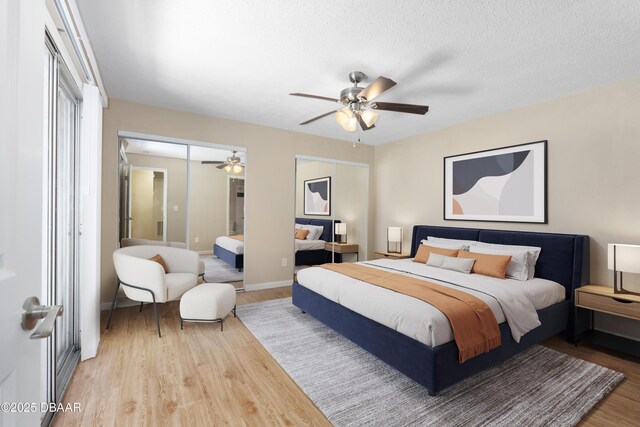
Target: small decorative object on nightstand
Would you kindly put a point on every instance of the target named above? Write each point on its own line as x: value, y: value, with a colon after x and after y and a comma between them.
x: 342, y: 248
x: 390, y: 255
x: 605, y: 300
x: 341, y: 232
x: 623, y: 258
x: 394, y: 235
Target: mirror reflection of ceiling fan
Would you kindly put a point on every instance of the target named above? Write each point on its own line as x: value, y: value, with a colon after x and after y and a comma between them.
x: 233, y: 164
x: 358, y: 103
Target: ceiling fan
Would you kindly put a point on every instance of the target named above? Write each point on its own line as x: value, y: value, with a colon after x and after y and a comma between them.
x: 233, y: 164
x: 358, y: 103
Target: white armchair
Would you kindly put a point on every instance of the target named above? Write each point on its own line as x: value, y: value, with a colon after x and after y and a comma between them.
x: 144, y: 280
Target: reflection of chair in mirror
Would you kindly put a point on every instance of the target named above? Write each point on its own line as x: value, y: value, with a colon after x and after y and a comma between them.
x: 144, y: 280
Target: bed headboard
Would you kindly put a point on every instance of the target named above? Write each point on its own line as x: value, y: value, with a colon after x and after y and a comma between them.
x: 326, y: 223
x: 564, y: 257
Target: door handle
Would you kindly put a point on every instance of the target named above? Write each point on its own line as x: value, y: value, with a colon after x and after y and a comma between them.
x: 34, y: 311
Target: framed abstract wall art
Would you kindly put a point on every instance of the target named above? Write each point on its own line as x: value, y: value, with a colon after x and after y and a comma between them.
x: 317, y: 196
x: 506, y: 184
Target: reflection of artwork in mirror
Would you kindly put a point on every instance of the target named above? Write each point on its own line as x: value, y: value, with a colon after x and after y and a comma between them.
x: 317, y: 196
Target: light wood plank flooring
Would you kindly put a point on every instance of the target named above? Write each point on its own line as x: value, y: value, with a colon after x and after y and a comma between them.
x: 202, y: 377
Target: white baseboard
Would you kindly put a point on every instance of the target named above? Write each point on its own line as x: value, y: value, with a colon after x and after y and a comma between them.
x: 268, y: 285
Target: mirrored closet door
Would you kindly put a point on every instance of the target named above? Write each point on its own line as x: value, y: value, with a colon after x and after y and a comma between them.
x: 216, y: 212
x: 331, y: 212
x: 185, y: 195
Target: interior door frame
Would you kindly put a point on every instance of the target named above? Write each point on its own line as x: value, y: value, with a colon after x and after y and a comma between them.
x: 244, y: 207
x: 164, y: 196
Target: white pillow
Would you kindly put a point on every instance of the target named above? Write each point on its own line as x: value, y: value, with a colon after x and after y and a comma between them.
x: 534, y: 253
x: 518, y: 267
x: 315, y: 231
x: 462, y: 265
x: 446, y: 245
x: 460, y: 244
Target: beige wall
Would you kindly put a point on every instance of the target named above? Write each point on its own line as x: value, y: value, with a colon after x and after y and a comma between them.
x: 142, y: 187
x: 593, y: 172
x: 176, y: 191
x: 270, y: 181
x: 208, y: 199
x: 349, y: 195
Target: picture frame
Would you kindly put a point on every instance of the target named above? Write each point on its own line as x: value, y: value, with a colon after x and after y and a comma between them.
x: 317, y: 196
x: 507, y: 184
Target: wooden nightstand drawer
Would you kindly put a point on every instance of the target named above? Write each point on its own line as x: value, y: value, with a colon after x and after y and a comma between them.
x: 390, y: 255
x: 608, y: 304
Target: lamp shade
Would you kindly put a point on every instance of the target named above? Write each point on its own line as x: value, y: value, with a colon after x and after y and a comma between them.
x: 341, y: 228
x: 394, y: 234
x: 347, y: 119
x: 369, y: 117
x: 625, y: 258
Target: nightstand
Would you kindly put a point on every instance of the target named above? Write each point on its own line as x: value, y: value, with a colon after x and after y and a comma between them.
x: 342, y: 248
x: 602, y: 299
x: 390, y: 255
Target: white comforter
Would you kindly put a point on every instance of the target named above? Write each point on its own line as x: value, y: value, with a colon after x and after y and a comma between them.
x: 237, y: 247
x: 308, y: 245
x: 230, y: 244
x: 510, y: 300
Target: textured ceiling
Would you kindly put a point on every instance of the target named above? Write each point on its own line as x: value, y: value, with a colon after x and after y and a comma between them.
x: 239, y: 59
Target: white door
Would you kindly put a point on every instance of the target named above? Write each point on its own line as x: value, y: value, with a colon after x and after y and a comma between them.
x: 21, y: 205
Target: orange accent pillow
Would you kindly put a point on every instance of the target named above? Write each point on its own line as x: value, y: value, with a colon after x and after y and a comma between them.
x: 488, y: 265
x: 425, y: 250
x: 301, y: 234
x: 157, y: 258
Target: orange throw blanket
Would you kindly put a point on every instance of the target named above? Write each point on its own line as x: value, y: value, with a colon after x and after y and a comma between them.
x: 474, y: 326
x: 239, y: 237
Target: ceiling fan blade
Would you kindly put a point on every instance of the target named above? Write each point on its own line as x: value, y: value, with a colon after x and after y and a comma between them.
x: 378, y: 86
x: 401, y: 108
x: 211, y: 162
x: 319, y: 117
x: 363, y: 125
x: 306, y: 95
x: 221, y: 166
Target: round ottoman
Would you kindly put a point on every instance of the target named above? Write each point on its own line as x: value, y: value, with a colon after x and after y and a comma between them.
x: 208, y: 302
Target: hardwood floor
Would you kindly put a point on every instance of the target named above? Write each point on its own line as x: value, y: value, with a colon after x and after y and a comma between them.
x: 202, y: 377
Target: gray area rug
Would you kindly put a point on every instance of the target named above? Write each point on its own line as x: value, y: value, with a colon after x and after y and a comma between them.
x: 351, y: 387
x: 218, y: 271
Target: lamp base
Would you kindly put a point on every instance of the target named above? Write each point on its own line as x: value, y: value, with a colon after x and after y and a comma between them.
x: 342, y: 239
x: 617, y: 286
x: 397, y: 249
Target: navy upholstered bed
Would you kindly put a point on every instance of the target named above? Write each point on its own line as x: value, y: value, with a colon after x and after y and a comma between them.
x: 316, y: 256
x: 564, y: 259
x: 233, y: 259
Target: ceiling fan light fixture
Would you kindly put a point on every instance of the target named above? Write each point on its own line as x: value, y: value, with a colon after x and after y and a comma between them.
x: 236, y: 168
x: 343, y: 116
x: 227, y: 168
x: 369, y: 117
x: 347, y: 119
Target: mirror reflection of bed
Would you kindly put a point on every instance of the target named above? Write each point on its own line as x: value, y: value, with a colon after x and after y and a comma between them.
x: 331, y: 219
x: 184, y: 195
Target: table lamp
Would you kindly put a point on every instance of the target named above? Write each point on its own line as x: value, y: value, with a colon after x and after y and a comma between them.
x: 341, y: 232
x: 623, y: 258
x: 394, y: 235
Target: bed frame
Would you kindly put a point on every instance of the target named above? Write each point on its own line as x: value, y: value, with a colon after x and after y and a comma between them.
x: 316, y: 256
x: 312, y: 257
x: 564, y: 259
x: 233, y: 259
